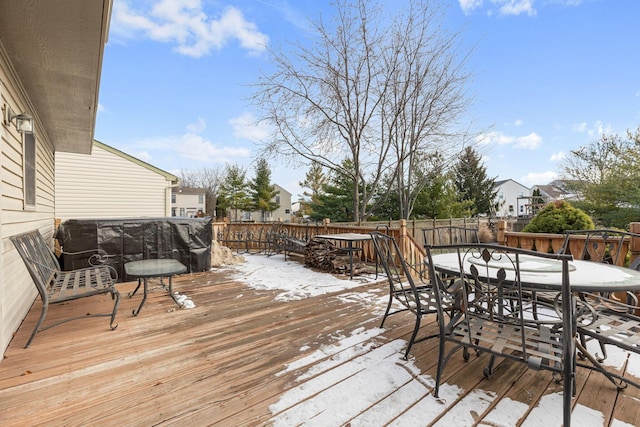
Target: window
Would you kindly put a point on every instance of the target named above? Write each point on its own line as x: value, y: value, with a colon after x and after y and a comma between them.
x: 182, y: 212
x: 278, y: 199
x: 510, y: 208
x: 29, y: 170
x: 500, y: 196
x: 287, y: 211
x: 201, y: 198
x: 173, y: 198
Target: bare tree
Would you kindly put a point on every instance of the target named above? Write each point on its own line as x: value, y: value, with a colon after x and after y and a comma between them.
x: 379, y: 92
x: 209, y: 179
x: 425, y: 100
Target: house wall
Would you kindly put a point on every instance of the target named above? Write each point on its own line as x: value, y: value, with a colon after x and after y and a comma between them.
x: 106, y: 185
x: 190, y: 203
x: 282, y: 214
x: 17, y: 291
x: 510, y: 190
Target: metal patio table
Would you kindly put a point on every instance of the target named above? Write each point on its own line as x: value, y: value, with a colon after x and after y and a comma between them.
x: 147, y: 268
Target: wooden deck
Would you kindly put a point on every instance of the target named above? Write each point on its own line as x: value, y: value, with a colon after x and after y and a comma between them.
x: 241, y: 357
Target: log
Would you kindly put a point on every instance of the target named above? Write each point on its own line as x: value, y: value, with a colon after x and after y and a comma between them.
x: 325, y: 256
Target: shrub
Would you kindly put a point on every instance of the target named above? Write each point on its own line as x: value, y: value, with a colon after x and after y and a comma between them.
x: 558, y: 217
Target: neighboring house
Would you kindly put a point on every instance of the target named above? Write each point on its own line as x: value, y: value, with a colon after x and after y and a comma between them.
x: 110, y: 184
x: 511, y: 198
x: 555, y: 190
x: 188, y: 202
x: 282, y: 214
x: 50, y: 64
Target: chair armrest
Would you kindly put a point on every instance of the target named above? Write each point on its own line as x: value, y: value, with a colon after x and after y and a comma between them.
x: 98, y: 257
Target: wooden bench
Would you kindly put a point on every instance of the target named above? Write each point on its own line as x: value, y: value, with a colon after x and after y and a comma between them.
x: 56, y: 286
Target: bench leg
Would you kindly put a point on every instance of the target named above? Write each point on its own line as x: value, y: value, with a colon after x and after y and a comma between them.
x: 45, y: 307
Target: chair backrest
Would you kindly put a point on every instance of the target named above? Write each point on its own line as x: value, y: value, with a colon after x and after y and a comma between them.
x: 449, y: 235
x: 498, y: 290
x: 601, y: 245
x: 399, y: 274
x: 38, y: 258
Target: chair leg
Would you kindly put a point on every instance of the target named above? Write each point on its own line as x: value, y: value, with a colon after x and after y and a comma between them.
x: 441, y: 363
x: 413, y: 336
x: 386, y: 313
x: 43, y: 314
x: 115, y: 295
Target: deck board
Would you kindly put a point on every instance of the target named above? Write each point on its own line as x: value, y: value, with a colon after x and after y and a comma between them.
x: 236, y: 357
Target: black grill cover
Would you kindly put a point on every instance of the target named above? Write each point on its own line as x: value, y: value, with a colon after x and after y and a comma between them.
x: 187, y: 240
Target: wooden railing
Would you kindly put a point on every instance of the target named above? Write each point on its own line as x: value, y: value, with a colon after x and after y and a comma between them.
x: 251, y: 237
x: 551, y: 243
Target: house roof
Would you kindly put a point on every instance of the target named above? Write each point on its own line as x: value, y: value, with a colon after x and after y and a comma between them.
x: 187, y: 190
x: 501, y: 182
x: 56, y: 50
x: 167, y: 175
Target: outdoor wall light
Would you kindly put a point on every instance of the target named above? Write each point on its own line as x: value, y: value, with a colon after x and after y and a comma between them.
x: 23, y: 122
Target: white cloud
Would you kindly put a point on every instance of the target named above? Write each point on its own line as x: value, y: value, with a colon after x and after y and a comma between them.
x: 246, y: 126
x: 558, y: 157
x: 198, y: 126
x: 195, y: 147
x: 185, y: 24
x: 528, y: 142
x: 515, y: 7
x: 494, y: 138
x: 517, y: 123
x: 579, y: 127
x: 511, y: 7
x: 469, y: 6
x: 538, y: 178
x: 143, y: 155
x: 595, y: 130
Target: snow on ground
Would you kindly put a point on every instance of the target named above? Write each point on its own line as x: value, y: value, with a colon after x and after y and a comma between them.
x: 364, y: 382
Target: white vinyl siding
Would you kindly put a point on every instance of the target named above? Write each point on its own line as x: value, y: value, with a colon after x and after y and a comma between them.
x: 508, y: 193
x: 188, y: 205
x: 106, y: 185
x: 17, y: 291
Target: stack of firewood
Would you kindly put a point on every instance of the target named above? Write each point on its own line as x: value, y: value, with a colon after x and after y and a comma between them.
x: 324, y: 255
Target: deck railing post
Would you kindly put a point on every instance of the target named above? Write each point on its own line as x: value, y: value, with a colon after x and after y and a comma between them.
x: 634, y: 245
x: 502, y: 228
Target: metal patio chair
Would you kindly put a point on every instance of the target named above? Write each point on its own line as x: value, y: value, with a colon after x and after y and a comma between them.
x: 496, y: 318
x: 418, y: 298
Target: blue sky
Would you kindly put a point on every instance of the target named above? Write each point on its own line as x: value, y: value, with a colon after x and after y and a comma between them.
x: 548, y: 77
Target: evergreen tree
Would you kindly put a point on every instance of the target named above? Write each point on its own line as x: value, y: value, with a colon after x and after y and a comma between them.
x: 439, y: 199
x: 336, y: 200
x: 234, y: 191
x: 473, y: 184
x: 262, y: 192
x: 315, y: 180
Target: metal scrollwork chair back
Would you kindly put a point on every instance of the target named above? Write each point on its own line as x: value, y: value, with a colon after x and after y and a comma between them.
x: 496, y: 316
